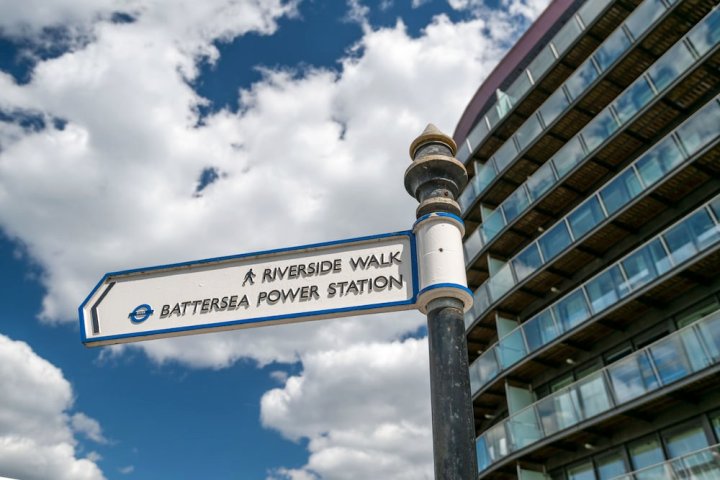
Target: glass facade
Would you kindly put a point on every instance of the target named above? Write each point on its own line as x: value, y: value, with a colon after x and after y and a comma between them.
x: 661, y: 364
x: 628, y: 186
x: 583, y: 334
x: 606, y: 55
x: 647, y: 264
x: 579, y: 149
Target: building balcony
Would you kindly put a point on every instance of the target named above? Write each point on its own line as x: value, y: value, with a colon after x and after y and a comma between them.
x: 679, y: 81
x: 700, y: 465
x: 686, y: 253
x: 611, y: 213
x: 570, y: 46
x: 611, y: 67
x: 679, y: 359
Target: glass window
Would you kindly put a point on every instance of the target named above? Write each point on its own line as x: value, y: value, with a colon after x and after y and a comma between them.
x: 632, y: 377
x: 492, y: 225
x: 707, y: 34
x: 645, y: 452
x: 697, y: 311
x: 584, y: 218
x: 659, y: 160
x: 541, y: 329
x: 710, y: 330
x: 463, y: 152
x: 524, y: 428
x: 483, y: 456
x: 472, y: 245
x: 583, y: 471
x: 686, y: 439
x: 612, y: 48
x: 528, y: 131
x: 486, y: 366
x: 478, y: 133
x: 493, y: 115
x: 670, y: 359
x: 715, y: 207
x: 633, y: 99
x: 554, y: 241
x: 497, y: 442
x: 501, y: 282
x: 515, y: 204
x: 505, y: 154
x: 621, y: 351
x: 558, y: 411
x: 620, y: 191
x: 511, y: 348
x: 591, y: 10
x: 670, y: 66
x: 599, y: 129
x: 521, y: 85
x: 581, y: 79
x: 541, y: 63
x: 690, y: 236
x: 567, y: 34
x: 571, y: 310
x: 561, y: 382
x: 715, y: 419
x: 481, y: 301
x: 568, y: 156
x: 643, y: 16
x: 701, y: 129
x: 541, y: 181
x: 646, y: 264
x: 553, y: 106
x: 527, y: 261
x: 606, y: 289
x: 593, y: 395
x: 610, y: 465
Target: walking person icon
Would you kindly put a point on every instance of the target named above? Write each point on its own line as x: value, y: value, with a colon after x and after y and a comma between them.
x: 249, y: 277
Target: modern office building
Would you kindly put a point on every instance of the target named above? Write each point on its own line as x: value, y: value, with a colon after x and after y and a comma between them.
x: 593, y: 245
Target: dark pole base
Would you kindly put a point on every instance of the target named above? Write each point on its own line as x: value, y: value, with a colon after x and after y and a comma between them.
x: 452, y: 412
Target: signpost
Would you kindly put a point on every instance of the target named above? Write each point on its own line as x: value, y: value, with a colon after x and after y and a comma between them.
x: 422, y: 269
x: 348, y: 277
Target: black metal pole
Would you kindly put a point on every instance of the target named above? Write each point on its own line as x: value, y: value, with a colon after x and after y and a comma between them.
x: 435, y: 179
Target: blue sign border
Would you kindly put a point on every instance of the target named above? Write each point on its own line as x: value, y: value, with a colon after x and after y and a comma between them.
x: 259, y: 320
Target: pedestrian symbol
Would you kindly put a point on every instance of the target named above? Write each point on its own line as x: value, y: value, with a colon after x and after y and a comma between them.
x: 249, y: 277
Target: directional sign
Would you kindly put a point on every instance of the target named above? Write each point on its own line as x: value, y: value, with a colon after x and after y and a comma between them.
x: 347, y: 277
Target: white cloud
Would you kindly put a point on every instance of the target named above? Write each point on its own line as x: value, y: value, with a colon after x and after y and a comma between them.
x: 88, y: 426
x: 36, y: 441
x: 127, y: 470
x: 365, y: 409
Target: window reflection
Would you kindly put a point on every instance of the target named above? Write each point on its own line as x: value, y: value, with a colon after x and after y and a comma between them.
x: 659, y: 160
x: 670, y: 66
x: 707, y: 35
x: 614, y: 46
x: 606, y: 289
x: 554, y: 241
x: 553, y: 106
x: 580, y: 79
x: 585, y: 217
x: 701, y: 129
x: 541, y: 181
x: 527, y: 261
x: 633, y: 99
x: 571, y: 310
x: 646, y: 264
x: 541, y: 329
x: 620, y: 191
x: 599, y: 129
x: 568, y: 156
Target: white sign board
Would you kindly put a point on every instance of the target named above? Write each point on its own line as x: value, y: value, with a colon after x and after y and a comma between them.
x: 348, y: 277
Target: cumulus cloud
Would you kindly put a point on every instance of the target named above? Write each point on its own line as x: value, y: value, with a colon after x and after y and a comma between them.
x: 36, y: 438
x: 365, y: 410
x: 88, y: 426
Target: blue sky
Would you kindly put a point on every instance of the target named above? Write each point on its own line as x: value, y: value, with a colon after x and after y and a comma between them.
x: 141, y: 132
